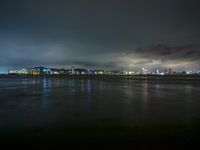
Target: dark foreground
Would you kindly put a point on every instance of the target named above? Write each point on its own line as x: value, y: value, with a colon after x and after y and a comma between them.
x: 99, y: 112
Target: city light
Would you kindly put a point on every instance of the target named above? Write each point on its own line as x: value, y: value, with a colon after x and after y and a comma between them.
x: 81, y: 71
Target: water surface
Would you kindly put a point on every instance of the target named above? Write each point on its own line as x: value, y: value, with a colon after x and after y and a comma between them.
x: 99, y: 109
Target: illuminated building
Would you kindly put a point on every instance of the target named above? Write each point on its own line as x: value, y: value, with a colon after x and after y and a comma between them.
x: 19, y: 71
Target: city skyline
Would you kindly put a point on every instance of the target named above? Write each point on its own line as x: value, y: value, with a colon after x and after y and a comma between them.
x: 126, y: 35
x: 41, y: 70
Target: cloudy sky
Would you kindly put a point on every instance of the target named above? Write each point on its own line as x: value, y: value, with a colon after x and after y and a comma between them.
x: 110, y: 34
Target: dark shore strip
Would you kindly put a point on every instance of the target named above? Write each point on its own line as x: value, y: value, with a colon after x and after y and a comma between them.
x: 131, y: 77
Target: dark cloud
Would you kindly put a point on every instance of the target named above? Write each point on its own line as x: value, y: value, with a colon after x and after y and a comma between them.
x: 104, y: 34
x: 178, y: 57
x: 165, y: 52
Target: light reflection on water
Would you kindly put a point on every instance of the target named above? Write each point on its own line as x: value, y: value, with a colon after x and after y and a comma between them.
x: 46, y: 90
x: 77, y: 101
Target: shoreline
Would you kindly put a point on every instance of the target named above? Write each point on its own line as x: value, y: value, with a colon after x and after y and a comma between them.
x: 195, y: 77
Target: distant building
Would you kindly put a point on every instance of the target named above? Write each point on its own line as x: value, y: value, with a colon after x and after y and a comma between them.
x: 38, y: 71
x: 157, y: 72
x: 170, y: 70
x: 18, y: 71
x: 80, y: 71
x: 41, y: 71
x: 98, y: 72
x: 145, y: 71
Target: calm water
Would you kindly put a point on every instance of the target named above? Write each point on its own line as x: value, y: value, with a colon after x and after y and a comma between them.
x: 93, y: 110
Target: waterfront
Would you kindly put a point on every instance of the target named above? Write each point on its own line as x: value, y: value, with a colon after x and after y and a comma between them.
x: 99, y: 110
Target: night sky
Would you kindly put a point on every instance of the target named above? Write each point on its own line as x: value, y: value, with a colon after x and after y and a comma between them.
x: 110, y: 34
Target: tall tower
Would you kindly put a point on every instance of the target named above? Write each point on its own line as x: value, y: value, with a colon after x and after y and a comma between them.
x: 73, y: 70
x: 170, y: 70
